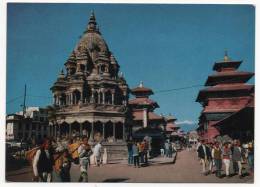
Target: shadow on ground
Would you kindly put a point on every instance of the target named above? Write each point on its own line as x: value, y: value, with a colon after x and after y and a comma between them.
x: 116, y: 180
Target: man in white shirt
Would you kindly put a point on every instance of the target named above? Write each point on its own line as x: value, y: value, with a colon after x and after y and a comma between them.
x: 97, y: 153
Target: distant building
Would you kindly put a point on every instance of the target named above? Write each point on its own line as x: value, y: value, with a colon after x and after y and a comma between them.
x: 145, y: 122
x: 225, y: 96
x: 34, y: 124
x: 171, y: 128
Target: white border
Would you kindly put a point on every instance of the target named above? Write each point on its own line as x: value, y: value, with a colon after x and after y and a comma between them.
x: 3, y: 18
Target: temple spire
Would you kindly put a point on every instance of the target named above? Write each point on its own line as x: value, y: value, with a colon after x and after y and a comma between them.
x: 92, y: 24
x: 141, y: 84
x: 226, y: 57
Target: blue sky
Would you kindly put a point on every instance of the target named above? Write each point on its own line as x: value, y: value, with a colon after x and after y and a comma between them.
x: 165, y: 46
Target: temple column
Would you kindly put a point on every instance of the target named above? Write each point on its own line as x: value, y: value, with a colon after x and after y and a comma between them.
x: 103, y: 130
x: 113, y: 98
x: 92, y: 131
x: 99, y: 98
x: 123, y: 131
x: 114, y: 131
x: 103, y: 95
x: 92, y: 96
x: 81, y: 97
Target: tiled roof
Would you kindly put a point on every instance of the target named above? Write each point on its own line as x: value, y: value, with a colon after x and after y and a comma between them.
x: 141, y: 89
x: 143, y: 101
x: 138, y: 115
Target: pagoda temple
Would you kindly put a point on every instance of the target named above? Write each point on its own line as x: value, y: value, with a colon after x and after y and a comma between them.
x: 171, y: 128
x: 226, y: 94
x: 91, y: 96
x: 145, y: 122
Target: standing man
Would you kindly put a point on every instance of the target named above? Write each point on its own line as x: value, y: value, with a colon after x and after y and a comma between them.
x: 166, y: 146
x: 251, y: 157
x: 130, y: 152
x: 84, y: 151
x: 136, y: 155
x: 216, y: 154
x: 226, y: 155
x: 205, y: 155
x: 43, y: 162
x: 237, y: 158
x: 146, y: 149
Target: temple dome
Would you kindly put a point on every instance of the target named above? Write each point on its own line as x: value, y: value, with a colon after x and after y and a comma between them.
x: 92, y: 42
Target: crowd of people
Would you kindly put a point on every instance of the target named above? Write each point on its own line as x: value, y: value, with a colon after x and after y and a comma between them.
x: 138, y: 153
x: 231, y: 154
x: 56, y: 157
x: 168, y: 149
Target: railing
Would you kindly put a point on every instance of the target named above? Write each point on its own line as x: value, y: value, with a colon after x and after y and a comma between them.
x: 91, y: 106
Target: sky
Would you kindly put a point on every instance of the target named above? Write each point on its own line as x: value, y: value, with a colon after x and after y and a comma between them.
x: 165, y: 46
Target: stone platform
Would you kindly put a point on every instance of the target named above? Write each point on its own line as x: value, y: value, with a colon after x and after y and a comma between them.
x: 116, y: 151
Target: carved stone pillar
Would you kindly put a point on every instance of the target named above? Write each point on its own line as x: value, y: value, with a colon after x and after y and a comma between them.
x: 92, y: 96
x: 114, y: 131
x: 103, y: 130
x: 123, y: 131
x: 92, y: 131
x: 103, y: 95
x: 81, y: 97
x: 113, y: 98
x: 99, y: 98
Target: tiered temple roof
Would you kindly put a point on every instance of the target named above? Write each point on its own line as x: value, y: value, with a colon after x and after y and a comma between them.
x: 141, y: 102
x: 227, y: 80
x: 226, y: 93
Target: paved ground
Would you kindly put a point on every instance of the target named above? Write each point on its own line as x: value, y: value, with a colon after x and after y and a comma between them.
x: 186, y: 169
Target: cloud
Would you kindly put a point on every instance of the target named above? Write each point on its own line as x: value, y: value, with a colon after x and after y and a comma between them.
x: 186, y: 122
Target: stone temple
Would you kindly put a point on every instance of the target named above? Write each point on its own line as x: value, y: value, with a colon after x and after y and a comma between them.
x: 91, y: 96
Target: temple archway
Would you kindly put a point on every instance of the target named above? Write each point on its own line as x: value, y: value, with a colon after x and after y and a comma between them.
x: 63, y: 99
x: 75, y: 129
x: 119, y: 130
x: 108, y: 130
x: 64, y: 129
x: 98, y: 130
x: 108, y: 97
x: 76, y: 96
x: 86, y: 128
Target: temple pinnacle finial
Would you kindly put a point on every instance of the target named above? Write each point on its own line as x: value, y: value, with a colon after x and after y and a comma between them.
x: 141, y: 84
x: 226, y: 58
x: 92, y: 15
x: 92, y: 22
x: 61, y: 75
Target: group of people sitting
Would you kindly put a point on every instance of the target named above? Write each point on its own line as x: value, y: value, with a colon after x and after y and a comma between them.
x: 213, y: 154
x: 58, y: 156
